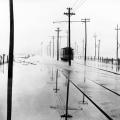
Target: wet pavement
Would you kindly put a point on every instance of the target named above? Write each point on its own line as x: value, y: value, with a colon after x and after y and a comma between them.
x: 40, y: 91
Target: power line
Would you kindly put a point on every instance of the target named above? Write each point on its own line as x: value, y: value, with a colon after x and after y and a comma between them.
x: 81, y: 3
x: 75, y: 3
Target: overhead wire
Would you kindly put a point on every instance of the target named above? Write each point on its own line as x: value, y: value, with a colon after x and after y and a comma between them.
x: 79, y: 5
x: 75, y: 3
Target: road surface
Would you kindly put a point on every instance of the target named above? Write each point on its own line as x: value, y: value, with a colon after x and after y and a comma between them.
x: 40, y: 91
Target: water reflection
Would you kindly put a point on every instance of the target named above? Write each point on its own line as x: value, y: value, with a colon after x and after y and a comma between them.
x: 117, y: 68
x: 67, y: 115
x: 84, y: 81
x: 52, y: 78
x: 51, y: 72
x: 56, y: 88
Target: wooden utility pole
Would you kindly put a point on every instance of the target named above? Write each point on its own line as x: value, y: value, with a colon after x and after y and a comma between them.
x: 50, y: 48
x: 117, y: 29
x: 58, y: 31
x: 69, y: 14
x: 3, y: 59
x: 98, y: 49
x: 95, y: 44
x: 10, y: 63
x: 53, y: 46
x: 85, y: 21
x: 53, y: 37
x: 83, y: 47
x: 41, y: 51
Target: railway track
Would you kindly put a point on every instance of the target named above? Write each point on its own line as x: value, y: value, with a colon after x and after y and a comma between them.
x: 98, y: 107
x: 101, y: 84
x: 105, y: 87
x: 89, y: 98
x: 100, y: 69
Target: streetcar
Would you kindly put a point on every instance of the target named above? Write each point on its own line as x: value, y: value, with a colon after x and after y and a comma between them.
x: 64, y: 54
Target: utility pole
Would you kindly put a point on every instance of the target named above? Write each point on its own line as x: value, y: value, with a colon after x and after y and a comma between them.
x: 83, y: 47
x: 41, y: 45
x: 69, y: 14
x: 47, y: 50
x: 117, y: 29
x: 85, y: 21
x: 76, y: 48
x: 67, y: 39
x: 3, y: 59
x: 98, y: 49
x: 10, y: 63
x: 50, y: 48
x: 53, y: 46
x: 53, y: 38
x: 58, y: 31
x: 95, y: 44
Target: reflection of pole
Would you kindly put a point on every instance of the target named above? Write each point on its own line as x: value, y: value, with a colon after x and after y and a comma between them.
x: 83, y: 101
x: 10, y: 64
x: 67, y: 99
x: 69, y: 14
x: 85, y: 21
x: 56, y: 89
x: 66, y: 115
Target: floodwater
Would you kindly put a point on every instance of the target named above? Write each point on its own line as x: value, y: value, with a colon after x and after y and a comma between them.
x: 40, y: 90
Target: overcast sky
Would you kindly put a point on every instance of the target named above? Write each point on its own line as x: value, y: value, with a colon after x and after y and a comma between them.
x: 34, y: 23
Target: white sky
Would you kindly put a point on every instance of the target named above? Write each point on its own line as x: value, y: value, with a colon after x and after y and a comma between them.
x: 33, y: 24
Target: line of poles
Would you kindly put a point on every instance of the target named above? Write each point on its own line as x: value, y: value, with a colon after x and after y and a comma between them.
x: 11, y: 51
x: 69, y: 14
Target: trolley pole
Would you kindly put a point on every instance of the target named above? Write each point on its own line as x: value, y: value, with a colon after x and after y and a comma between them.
x: 10, y: 63
x: 58, y: 31
x: 117, y: 29
x: 85, y: 21
x: 69, y: 14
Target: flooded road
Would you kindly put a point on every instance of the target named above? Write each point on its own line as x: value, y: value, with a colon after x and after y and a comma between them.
x: 43, y: 90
